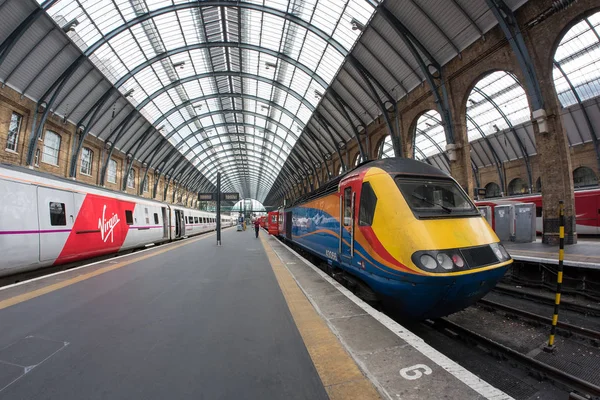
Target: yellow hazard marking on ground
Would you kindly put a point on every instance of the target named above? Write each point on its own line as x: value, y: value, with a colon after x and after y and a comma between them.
x: 56, y: 286
x: 339, y: 374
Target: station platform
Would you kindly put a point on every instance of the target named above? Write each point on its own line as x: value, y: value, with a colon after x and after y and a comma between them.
x: 584, y: 254
x: 249, y: 319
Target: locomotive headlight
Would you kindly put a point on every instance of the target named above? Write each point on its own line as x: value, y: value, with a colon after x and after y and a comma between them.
x: 428, y: 262
x: 500, y: 251
x: 458, y: 260
x: 445, y: 261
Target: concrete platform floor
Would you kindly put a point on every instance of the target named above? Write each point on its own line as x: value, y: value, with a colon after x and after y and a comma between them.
x: 189, y: 319
x: 585, y: 253
x: 196, y: 322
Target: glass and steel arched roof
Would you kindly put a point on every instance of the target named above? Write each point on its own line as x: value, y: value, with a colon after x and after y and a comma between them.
x: 231, y: 84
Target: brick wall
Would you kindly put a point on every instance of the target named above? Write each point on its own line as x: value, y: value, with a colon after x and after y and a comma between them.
x: 11, y: 101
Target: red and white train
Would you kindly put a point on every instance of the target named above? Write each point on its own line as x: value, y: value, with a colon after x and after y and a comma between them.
x: 46, y: 220
x: 587, y: 209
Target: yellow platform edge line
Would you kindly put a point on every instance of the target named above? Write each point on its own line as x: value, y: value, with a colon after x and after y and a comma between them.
x: 59, y: 285
x: 338, y: 372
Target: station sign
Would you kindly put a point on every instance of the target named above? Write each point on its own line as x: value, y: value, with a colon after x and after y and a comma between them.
x: 232, y: 196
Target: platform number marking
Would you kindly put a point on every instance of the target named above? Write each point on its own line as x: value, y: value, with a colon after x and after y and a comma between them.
x: 415, y: 372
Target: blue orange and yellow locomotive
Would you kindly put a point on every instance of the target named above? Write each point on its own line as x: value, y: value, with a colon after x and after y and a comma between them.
x: 405, y: 231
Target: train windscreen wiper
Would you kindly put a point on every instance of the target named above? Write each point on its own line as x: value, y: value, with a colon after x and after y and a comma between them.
x: 433, y: 203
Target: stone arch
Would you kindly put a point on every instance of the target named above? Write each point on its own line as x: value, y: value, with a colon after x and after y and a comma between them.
x: 584, y: 177
x: 492, y: 189
x: 517, y: 186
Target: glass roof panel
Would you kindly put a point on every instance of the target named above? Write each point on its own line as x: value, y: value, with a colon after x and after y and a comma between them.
x: 176, y: 89
x: 497, y: 102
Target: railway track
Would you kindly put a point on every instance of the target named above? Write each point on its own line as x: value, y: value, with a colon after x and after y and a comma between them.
x: 569, y: 305
x: 593, y: 335
x: 534, y: 366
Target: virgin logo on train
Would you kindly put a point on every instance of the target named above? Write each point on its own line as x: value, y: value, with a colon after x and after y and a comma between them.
x: 107, y: 226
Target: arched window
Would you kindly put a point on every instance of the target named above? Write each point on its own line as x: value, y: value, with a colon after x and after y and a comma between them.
x: 386, y: 149
x: 492, y: 190
x: 517, y: 186
x: 111, y: 173
x: 430, y: 138
x: 584, y: 176
x: 577, y: 63
x: 131, y: 179
x: 51, y: 148
x: 87, y: 158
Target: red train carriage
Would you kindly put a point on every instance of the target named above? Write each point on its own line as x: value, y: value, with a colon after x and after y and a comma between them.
x: 273, y: 223
x: 587, y: 209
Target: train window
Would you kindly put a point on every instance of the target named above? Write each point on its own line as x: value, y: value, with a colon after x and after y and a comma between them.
x: 368, y: 201
x: 435, y: 197
x: 57, y: 214
x: 347, y: 206
x: 147, y: 216
x: 155, y: 218
x: 195, y: 220
x: 538, y: 212
x: 129, y: 217
x: 186, y: 219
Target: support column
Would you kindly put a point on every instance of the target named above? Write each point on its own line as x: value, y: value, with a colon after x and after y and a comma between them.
x: 459, y: 155
x: 557, y: 177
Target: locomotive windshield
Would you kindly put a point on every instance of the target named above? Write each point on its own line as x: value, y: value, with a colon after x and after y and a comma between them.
x: 435, y: 197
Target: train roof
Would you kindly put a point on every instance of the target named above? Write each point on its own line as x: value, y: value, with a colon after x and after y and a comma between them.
x: 88, y: 187
x: 406, y: 166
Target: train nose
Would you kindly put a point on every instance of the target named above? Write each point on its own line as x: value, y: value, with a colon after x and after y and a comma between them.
x: 465, y: 291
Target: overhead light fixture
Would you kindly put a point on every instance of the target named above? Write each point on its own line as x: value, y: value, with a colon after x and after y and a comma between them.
x: 472, y: 102
x: 179, y: 64
x: 318, y: 94
x: 263, y: 107
x: 70, y: 26
x: 496, y: 128
x: 129, y: 92
x: 270, y: 65
x: 357, y: 25
x: 198, y: 106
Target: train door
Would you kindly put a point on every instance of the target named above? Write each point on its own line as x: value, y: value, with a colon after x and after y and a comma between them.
x: 56, y: 213
x: 165, y: 219
x: 179, y: 225
x: 346, y: 244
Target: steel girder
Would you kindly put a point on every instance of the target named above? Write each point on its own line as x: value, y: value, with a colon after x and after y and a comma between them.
x: 218, y: 3
x: 225, y: 124
x: 426, y: 61
x: 509, y: 25
x: 211, y: 45
x: 329, y: 131
x: 344, y: 111
x: 46, y: 102
x: 369, y: 80
x: 91, y: 117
